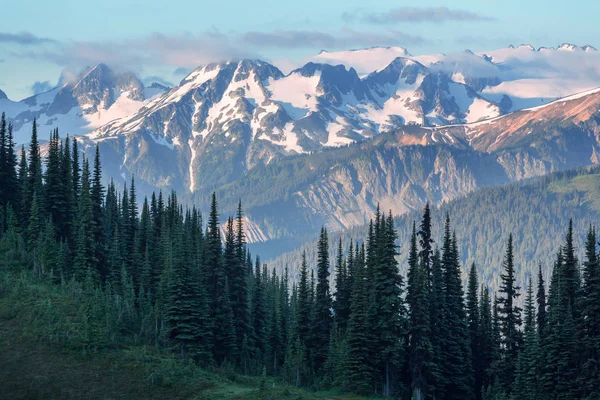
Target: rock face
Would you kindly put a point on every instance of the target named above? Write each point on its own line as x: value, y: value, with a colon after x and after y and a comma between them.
x: 95, y: 97
x: 325, y: 144
x: 404, y: 169
x: 225, y: 119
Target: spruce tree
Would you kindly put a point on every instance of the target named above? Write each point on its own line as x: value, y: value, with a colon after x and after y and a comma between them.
x: 541, y: 303
x: 322, y: 312
x: 85, y: 251
x: 526, y: 382
x: 473, y: 324
x: 426, y: 243
x: 510, y: 318
x: 590, y: 376
x: 417, y: 299
x: 341, y: 304
x: 359, y: 359
x: 456, y: 350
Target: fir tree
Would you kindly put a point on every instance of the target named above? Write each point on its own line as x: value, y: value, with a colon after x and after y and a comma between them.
x: 473, y: 325
x: 590, y: 377
x: 541, y: 303
x: 510, y: 318
x: 421, y: 350
x: 322, y: 313
x: 456, y: 352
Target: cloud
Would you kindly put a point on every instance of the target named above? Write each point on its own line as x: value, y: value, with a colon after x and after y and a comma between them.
x: 41, y: 87
x: 157, y: 49
x: 24, y: 38
x: 317, y: 39
x: 436, y: 15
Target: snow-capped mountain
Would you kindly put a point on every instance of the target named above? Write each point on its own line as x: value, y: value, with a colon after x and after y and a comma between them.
x: 95, y: 97
x: 429, y: 127
x: 401, y: 170
x: 251, y: 113
x: 515, y: 77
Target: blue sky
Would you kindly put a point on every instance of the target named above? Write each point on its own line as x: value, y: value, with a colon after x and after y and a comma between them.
x: 168, y: 37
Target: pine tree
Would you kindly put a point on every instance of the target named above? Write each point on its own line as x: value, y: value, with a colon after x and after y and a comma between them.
x: 11, y: 180
x: 85, y: 260
x: 590, y: 376
x: 259, y: 316
x: 97, y: 198
x: 3, y: 167
x: 426, y: 243
x: 359, y: 359
x: 486, y: 342
x: 322, y: 313
x: 35, y: 169
x: 541, y: 303
x: 53, y: 183
x: 341, y: 305
x: 188, y: 306
x: 526, y: 383
x: 473, y: 324
x: 438, y: 326
x: 76, y: 169
x: 510, y: 318
x: 456, y: 349
x: 417, y: 298
x: 24, y: 205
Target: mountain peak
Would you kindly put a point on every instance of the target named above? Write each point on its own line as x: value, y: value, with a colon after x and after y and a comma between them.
x: 588, y: 48
x: 568, y: 47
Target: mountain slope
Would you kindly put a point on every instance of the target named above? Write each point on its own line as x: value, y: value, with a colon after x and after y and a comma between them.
x: 404, y: 169
x: 95, y: 97
x: 536, y: 212
x: 249, y: 114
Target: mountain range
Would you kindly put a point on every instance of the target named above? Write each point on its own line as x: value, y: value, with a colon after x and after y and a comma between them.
x: 328, y: 141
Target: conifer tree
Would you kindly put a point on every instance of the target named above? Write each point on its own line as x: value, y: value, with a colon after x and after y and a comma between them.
x: 456, y: 349
x: 526, y: 383
x: 590, y: 377
x: 35, y: 169
x: 259, y: 316
x: 473, y: 325
x: 421, y: 349
x: 510, y: 318
x: 76, y: 169
x: 541, y: 303
x: 438, y: 326
x: 341, y: 304
x: 24, y: 205
x: 322, y: 312
x: 85, y: 261
x: 426, y: 243
x: 359, y: 359
x: 486, y: 342
x: 97, y: 198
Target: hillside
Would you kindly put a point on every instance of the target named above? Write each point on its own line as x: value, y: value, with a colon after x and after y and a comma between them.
x: 43, y: 357
x: 536, y: 211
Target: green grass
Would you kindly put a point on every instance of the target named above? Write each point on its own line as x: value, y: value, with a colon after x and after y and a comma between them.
x: 587, y: 185
x: 40, y: 359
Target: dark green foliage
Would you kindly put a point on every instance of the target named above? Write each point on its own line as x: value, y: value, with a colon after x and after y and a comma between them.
x: 510, y: 319
x: 322, y: 309
x: 473, y: 317
x: 417, y: 299
x: 456, y: 350
x: 590, y: 379
x: 158, y: 278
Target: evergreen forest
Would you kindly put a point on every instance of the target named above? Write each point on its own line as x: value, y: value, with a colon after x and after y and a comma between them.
x: 156, y: 273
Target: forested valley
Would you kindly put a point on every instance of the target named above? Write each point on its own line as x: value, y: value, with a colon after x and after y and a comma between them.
x: 165, y: 278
